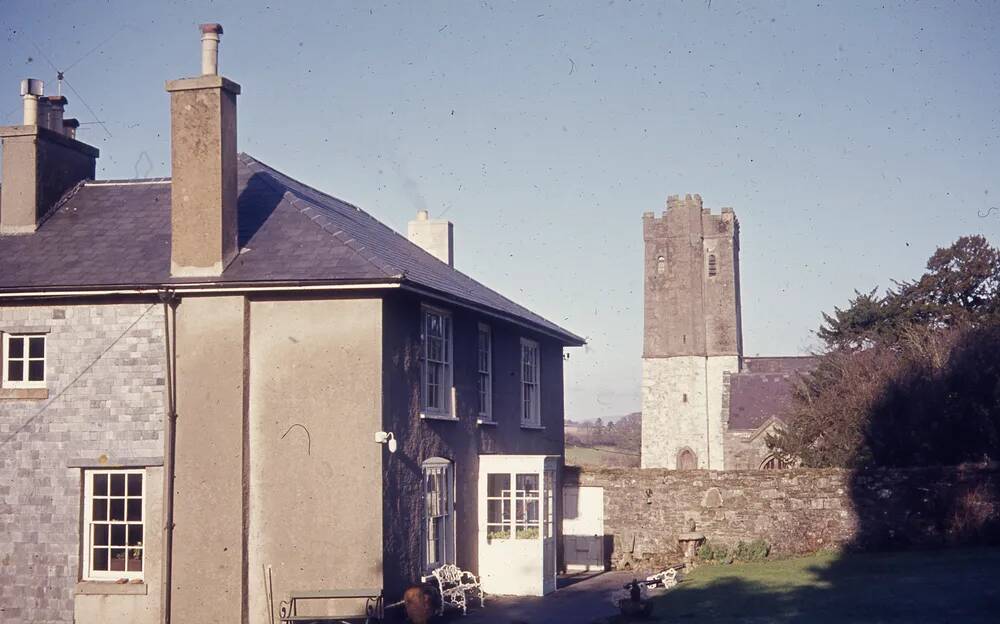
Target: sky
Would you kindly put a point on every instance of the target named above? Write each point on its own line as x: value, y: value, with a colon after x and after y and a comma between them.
x: 852, y: 139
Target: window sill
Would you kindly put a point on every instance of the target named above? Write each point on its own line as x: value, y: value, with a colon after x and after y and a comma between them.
x: 110, y: 588
x: 532, y: 427
x: 35, y: 394
x: 489, y: 422
x: 427, y: 416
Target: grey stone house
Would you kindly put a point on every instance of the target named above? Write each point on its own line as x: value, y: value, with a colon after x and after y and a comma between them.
x: 227, y: 372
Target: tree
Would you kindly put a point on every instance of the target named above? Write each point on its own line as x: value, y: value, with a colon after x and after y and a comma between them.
x: 911, y: 378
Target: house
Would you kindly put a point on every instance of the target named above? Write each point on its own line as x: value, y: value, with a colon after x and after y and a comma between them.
x: 227, y: 379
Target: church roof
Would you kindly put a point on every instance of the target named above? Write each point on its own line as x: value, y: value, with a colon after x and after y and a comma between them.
x: 763, y: 389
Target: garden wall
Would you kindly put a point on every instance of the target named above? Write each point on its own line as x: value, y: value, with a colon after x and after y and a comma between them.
x: 795, y: 511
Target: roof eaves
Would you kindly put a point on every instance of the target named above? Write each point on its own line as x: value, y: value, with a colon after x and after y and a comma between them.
x: 553, y: 331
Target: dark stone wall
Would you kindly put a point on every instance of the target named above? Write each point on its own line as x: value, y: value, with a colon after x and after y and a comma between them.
x: 796, y: 511
x: 460, y: 441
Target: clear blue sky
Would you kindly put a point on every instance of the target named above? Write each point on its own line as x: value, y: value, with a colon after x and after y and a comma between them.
x: 851, y: 138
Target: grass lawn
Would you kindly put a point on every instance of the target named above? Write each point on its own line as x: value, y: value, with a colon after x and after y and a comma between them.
x: 931, y: 586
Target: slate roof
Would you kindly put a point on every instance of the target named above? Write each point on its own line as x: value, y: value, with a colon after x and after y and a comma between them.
x: 763, y: 389
x: 116, y: 234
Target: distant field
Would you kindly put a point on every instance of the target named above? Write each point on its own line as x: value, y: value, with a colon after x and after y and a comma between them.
x: 599, y: 456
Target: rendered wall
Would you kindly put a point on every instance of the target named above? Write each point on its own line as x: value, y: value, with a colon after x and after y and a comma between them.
x: 208, y: 559
x: 460, y: 441
x: 671, y: 424
x: 104, y: 407
x: 315, y: 491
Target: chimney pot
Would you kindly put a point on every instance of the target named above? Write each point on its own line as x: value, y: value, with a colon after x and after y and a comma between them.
x: 50, y: 112
x: 69, y: 127
x: 210, y: 35
x: 31, y: 90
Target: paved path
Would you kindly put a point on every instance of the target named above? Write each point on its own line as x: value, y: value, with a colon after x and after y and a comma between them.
x: 581, y: 600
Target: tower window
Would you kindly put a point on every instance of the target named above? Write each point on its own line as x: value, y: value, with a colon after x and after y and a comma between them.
x: 712, y: 265
x: 661, y: 265
x: 685, y: 398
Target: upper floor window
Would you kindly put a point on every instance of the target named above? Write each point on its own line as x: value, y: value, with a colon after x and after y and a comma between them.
x: 530, y: 403
x: 485, y: 373
x: 713, y: 267
x: 113, y: 524
x: 661, y: 264
x: 436, y: 369
x: 24, y: 360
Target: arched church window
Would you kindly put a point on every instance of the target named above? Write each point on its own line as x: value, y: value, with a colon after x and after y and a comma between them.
x: 687, y: 460
x: 772, y: 462
x: 713, y: 267
x: 661, y: 265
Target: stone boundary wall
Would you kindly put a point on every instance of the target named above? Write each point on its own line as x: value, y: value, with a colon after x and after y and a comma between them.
x: 795, y: 511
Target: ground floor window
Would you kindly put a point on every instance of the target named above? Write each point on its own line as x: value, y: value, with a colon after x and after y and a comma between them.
x: 439, y: 512
x: 773, y: 462
x: 687, y: 460
x: 113, y: 527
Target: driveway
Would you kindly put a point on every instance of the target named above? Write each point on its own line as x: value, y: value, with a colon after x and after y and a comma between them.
x: 581, y: 599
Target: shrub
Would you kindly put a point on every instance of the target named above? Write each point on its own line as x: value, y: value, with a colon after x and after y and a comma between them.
x: 757, y: 550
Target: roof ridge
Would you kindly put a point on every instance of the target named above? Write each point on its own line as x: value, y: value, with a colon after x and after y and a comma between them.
x: 294, y: 200
x: 251, y: 161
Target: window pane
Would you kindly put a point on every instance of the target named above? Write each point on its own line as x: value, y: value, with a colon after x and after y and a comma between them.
x: 36, y: 347
x: 117, y: 534
x: 118, y: 559
x: 36, y: 370
x: 135, y: 559
x: 528, y: 483
x: 498, y: 484
x: 118, y: 509
x: 15, y: 370
x: 100, y: 535
x: 135, y: 485
x: 99, y: 561
x: 100, y: 485
x: 99, y: 509
x: 135, y: 535
x: 134, y: 510
x: 118, y: 485
x: 15, y: 348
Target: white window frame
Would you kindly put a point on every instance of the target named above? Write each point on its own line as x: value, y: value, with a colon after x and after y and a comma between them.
x: 89, y: 525
x: 447, y: 410
x: 484, y: 379
x: 24, y: 383
x: 531, y: 414
x: 444, y: 521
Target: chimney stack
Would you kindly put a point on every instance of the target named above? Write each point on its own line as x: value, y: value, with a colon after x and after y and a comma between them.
x: 435, y: 236
x: 40, y: 162
x: 50, y: 112
x: 203, y: 167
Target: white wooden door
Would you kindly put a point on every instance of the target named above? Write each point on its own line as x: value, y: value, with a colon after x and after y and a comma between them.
x: 583, y: 528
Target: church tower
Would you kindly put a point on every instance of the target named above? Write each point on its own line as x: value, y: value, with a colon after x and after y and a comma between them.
x: 692, y: 333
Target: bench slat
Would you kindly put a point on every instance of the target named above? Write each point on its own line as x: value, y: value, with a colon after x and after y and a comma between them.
x: 367, y: 592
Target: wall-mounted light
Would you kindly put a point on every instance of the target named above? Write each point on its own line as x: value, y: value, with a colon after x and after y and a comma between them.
x: 386, y: 437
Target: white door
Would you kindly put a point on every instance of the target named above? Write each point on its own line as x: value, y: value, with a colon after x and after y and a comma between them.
x: 583, y: 528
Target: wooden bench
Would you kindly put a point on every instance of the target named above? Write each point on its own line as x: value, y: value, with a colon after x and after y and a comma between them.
x: 289, y: 611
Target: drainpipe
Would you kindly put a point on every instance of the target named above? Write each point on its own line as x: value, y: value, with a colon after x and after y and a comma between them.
x: 170, y: 302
